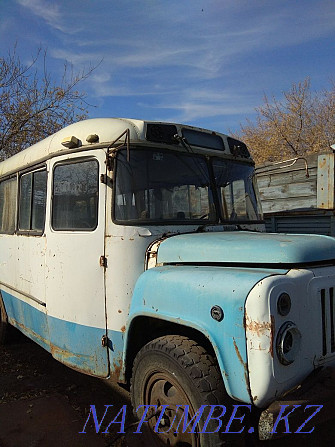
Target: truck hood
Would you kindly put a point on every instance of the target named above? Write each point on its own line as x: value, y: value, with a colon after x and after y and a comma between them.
x: 243, y: 247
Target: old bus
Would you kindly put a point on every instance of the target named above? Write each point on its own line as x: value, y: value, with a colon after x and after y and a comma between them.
x: 135, y: 251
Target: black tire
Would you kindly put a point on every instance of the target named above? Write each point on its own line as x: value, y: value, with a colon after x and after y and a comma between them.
x: 174, y: 370
x: 3, y: 323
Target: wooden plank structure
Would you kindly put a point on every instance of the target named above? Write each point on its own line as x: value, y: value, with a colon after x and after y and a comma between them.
x: 298, y: 196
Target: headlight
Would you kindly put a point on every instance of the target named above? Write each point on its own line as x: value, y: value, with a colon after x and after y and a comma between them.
x: 284, y: 304
x: 288, y: 343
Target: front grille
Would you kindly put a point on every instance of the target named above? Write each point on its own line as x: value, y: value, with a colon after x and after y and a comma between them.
x: 327, y: 315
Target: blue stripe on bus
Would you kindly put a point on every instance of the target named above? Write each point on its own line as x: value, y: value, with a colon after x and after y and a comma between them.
x: 73, y: 344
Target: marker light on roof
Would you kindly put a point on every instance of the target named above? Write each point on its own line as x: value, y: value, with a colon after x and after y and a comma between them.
x: 93, y: 138
x: 70, y: 142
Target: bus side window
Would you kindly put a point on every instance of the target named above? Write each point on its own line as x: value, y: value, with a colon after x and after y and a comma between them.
x: 8, y: 191
x: 75, y: 196
x: 33, y: 192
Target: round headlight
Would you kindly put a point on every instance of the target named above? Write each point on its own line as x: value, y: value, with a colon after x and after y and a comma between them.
x: 284, y: 304
x: 288, y: 343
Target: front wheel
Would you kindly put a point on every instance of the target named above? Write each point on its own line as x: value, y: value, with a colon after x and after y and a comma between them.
x: 175, y: 373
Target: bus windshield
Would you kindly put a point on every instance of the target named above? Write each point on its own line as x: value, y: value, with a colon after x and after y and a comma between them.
x: 158, y: 186
x: 234, y: 183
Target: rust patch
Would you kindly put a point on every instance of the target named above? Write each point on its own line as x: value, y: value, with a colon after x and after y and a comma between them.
x: 246, y: 375
x: 238, y: 354
x: 123, y: 329
x: 120, y: 311
x: 272, y: 335
x: 58, y: 352
x: 258, y: 327
x: 29, y: 332
x: 116, y: 369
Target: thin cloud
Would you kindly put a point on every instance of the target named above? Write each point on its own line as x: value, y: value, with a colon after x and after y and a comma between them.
x: 194, y: 106
x: 50, y: 13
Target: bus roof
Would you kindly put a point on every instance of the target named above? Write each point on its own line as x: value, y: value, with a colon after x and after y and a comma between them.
x: 107, y: 131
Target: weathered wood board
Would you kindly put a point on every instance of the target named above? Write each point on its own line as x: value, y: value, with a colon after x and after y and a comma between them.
x: 305, y: 185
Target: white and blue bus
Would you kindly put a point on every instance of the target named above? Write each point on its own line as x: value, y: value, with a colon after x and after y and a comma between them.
x: 135, y: 251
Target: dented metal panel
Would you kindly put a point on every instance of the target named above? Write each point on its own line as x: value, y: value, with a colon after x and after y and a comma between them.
x: 78, y: 346
x: 269, y: 377
x: 186, y: 294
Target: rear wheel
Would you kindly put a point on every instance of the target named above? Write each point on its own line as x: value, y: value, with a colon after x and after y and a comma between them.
x: 173, y: 371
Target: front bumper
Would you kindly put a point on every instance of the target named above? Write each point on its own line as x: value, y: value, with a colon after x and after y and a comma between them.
x: 315, y: 395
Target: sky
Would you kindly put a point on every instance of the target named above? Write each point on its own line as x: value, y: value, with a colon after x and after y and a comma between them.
x: 206, y: 63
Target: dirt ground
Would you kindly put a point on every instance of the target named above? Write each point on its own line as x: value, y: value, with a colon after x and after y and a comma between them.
x: 43, y: 403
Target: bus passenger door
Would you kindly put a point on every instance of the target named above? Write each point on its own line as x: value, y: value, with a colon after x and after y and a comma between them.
x: 75, y: 297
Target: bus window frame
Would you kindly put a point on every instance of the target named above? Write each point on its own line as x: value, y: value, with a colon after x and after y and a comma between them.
x: 73, y: 161
x: 30, y: 170
x: 3, y: 179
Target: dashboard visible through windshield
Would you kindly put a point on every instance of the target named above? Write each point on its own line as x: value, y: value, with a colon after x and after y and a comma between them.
x: 161, y: 186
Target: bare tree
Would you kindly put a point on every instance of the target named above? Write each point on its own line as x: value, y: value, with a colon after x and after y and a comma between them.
x: 32, y: 104
x: 302, y: 123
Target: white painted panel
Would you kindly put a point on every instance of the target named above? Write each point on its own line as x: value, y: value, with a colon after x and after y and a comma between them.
x: 74, y: 277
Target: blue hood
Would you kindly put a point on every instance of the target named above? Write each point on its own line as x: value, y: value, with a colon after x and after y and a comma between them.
x: 244, y: 247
